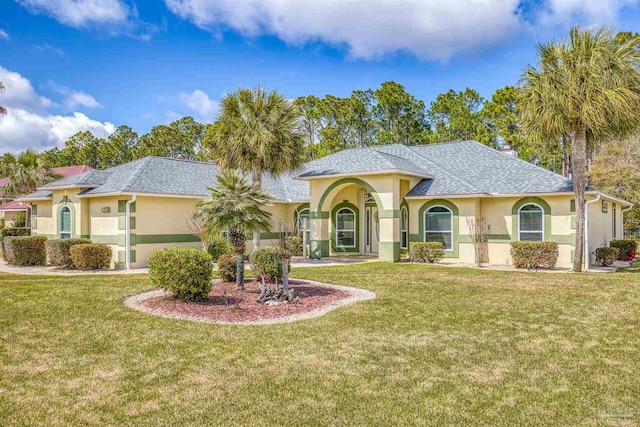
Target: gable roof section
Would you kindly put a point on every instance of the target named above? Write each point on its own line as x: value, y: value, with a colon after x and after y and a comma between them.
x: 14, y: 206
x: 363, y: 161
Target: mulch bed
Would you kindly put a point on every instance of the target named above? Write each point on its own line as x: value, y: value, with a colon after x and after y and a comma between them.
x: 235, y: 307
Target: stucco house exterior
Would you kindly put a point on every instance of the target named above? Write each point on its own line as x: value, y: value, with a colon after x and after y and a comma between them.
x: 370, y: 201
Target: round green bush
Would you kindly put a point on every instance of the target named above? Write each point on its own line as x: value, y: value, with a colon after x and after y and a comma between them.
x: 187, y: 272
x: 58, y: 251
x: 227, y: 267
x: 220, y: 247
x: 427, y: 251
x: 267, y: 261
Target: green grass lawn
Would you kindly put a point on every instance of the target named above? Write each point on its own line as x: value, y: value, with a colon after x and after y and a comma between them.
x: 438, y: 346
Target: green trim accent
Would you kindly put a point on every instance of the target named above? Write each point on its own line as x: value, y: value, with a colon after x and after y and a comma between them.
x: 108, y: 239
x: 34, y: 210
x: 404, y: 204
x: 122, y: 206
x: 572, y: 205
x: 272, y: 236
x: 558, y: 238
x: 319, y: 249
x: 142, y: 239
x: 122, y: 256
x: 122, y: 223
x: 391, y: 213
x: 85, y: 236
x: 389, y: 251
x: 499, y: 238
x: 454, y: 253
x: 334, y: 211
x: 318, y: 215
x: 349, y: 181
x: 65, y: 199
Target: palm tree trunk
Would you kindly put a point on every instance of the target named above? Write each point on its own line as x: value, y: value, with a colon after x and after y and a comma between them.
x: 285, y: 273
x: 240, y: 271
x: 579, y: 169
x: 257, y: 182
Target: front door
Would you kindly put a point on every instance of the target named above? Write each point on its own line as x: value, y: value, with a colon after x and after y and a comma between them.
x: 371, y: 230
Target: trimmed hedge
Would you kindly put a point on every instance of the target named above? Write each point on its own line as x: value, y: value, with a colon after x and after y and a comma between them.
x: 58, y: 251
x: 25, y: 250
x: 606, y: 255
x: 267, y: 261
x: 227, y: 267
x: 90, y: 256
x: 427, y: 251
x: 11, y: 231
x: 220, y: 247
x: 187, y: 272
x: 627, y: 249
x: 534, y: 255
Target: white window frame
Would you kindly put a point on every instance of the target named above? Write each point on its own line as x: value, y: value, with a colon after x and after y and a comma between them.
x: 541, y: 232
x: 425, y: 231
x: 404, y: 215
x: 355, y: 227
x: 70, y: 232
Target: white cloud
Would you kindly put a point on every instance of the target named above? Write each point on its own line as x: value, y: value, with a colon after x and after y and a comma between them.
x: 114, y: 16
x: 583, y: 11
x: 3, y: 34
x: 29, y: 123
x: 73, y: 98
x: 428, y: 29
x: 19, y: 93
x: 200, y: 103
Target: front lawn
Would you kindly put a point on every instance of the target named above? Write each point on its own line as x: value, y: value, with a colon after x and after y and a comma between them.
x: 438, y: 346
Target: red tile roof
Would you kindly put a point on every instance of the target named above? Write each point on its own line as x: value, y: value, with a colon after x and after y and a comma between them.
x: 14, y: 206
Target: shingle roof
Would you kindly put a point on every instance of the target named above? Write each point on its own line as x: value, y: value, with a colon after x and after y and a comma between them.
x: 40, y: 194
x: 159, y: 175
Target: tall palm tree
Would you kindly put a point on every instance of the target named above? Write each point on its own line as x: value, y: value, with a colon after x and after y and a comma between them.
x: 589, y: 83
x: 256, y: 132
x: 235, y: 207
x: 26, y: 174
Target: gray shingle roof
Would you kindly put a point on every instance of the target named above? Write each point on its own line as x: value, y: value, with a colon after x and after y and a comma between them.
x: 158, y: 175
x: 40, y: 194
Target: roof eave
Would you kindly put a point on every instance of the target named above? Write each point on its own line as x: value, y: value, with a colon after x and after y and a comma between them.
x: 365, y: 173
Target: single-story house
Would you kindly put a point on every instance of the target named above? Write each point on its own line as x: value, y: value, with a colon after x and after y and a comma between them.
x: 371, y: 201
x: 10, y: 208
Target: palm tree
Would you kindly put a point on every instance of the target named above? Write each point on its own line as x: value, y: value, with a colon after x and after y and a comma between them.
x: 257, y: 132
x: 235, y: 207
x: 26, y: 174
x: 3, y: 110
x: 589, y: 83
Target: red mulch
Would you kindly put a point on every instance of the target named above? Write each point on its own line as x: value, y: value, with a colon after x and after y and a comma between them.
x: 246, y: 308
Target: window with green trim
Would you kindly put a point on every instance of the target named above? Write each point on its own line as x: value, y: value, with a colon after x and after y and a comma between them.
x: 304, y: 224
x: 438, y: 226
x: 65, y: 222
x: 531, y: 223
x: 345, y: 228
x: 404, y: 227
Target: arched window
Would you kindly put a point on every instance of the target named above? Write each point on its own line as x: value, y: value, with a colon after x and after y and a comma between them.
x: 345, y: 228
x: 65, y: 222
x: 304, y: 224
x: 530, y: 223
x: 438, y: 226
x: 404, y: 227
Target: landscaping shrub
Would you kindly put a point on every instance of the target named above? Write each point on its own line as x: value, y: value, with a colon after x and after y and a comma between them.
x: 187, y: 272
x: 90, y: 256
x: 606, y: 255
x: 25, y: 250
x: 534, y: 255
x: 220, y: 247
x: 267, y: 261
x: 227, y: 267
x: 293, y: 245
x: 427, y: 251
x: 58, y: 251
x: 20, y: 220
x: 11, y: 231
x: 627, y: 249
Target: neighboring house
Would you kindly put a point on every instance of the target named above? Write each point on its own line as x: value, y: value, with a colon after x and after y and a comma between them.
x: 9, y: 207
x: 355, y: 202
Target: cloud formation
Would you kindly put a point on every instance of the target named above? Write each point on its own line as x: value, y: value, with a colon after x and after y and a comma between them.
x: 199, y: 102
x: 3, y: 34
x: 73, y: 98
x: 114, y: 16
x: 29, y: 121
x: 427, y: 29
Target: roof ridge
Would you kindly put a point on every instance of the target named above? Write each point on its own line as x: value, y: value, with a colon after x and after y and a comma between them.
x: 133, y: 178
x: 379, y: 155
x: 410, y: 148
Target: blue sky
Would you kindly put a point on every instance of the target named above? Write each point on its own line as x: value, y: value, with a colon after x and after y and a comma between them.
x: 71, y: 65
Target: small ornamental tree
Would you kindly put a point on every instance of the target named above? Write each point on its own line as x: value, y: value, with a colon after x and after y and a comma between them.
x: 235, y: 207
